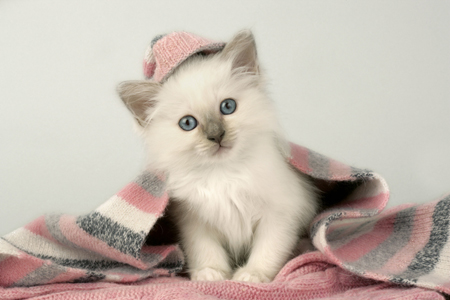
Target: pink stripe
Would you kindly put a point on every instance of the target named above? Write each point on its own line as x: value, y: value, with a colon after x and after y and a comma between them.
x: 316, y: 261
x: 135, y: 195
x: 149, y: 68
x: 346, y: 231
x: 338, y: 170
x: 329, y: 252
x: 374, y: 202
x: 161, y: 272
x: 17, y: 267
x: 36, y: 226
x: 124, y: 278
x: 419, y: 238
x: 299, y: 158
x: 81, y: 238
x: 350, y: 234
x: 362, y: 245
x: 444, y: 287
x: 39, y: 228
x: 162, y: 250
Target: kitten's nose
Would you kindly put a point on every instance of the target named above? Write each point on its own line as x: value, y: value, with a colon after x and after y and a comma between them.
x: 216, y: 137
x: 214, y: 130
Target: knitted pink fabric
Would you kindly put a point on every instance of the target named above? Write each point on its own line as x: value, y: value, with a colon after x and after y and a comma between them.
x: 365, y: 252
x: 310, y: 276
x: 165, y: 53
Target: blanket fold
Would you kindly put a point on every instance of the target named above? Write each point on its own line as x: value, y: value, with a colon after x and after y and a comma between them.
x: 403, y: 246
x: 106, y: 244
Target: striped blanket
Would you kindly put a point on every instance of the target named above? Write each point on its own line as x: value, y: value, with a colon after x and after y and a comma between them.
x: 362, y: 250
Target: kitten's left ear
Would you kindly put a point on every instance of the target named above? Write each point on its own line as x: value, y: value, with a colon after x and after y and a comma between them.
x: 139, y: 97
x: 242, y: 51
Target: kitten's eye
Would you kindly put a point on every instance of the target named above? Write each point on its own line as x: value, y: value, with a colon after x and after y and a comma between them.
x: 228, y: 106
x: 188, y: 123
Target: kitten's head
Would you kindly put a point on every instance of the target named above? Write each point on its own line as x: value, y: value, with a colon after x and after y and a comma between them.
x: 212, y: 110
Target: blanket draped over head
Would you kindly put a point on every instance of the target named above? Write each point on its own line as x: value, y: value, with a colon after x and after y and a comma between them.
x: 360, y: 249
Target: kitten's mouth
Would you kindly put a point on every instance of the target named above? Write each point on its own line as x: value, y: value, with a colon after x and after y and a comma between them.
x: 221, y: 149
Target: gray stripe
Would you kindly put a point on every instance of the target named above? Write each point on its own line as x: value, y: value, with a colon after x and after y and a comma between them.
x: 337, y: 234
x: 324, y: 222
x: 151, y: 259
x: 319, y: 164
x: 403, y: 224
x: 112, y: 233
x: 52, y: 223
x: 151, y: 183
x: 403, y: 281
x: 360, y: 173
x: 157, y: 38
x: 103, y: 264
x: 41, y: 275
x: 336, y: 214
x: 352, y: 231
x: 90, y: 277
x: 83, y: 264
x: 174, y: 262
x: 427, y: 258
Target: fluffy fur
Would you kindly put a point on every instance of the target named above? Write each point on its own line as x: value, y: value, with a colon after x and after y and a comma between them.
x: 239, y: 205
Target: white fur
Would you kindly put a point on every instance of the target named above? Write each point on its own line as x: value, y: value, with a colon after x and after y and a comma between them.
x: 245, y: 201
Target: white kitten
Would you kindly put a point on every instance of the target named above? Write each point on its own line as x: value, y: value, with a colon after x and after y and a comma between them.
x: 213, y: 131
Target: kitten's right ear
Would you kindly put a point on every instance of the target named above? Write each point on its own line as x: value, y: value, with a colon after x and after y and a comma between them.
x: 242, y: 51
x: 139, y: 97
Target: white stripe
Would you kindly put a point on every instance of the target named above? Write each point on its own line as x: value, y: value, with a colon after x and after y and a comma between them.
x: 320, y: 240
x: 6, y: 250
x: 127, y: 215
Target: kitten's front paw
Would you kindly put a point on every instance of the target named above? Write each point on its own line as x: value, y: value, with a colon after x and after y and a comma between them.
x: 208, y: 274
x: 249, y: 275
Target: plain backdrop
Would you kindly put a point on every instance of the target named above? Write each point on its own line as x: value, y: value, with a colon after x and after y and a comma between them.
x: 365, y: 82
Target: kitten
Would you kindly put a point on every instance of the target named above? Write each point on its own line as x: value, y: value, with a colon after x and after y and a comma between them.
x: 212, y: 129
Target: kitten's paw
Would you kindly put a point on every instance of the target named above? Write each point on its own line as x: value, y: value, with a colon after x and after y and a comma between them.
x: 248, y: 275
x: 208, y: 274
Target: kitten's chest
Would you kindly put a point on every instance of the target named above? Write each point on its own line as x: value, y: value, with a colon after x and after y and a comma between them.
x: 228, y: 201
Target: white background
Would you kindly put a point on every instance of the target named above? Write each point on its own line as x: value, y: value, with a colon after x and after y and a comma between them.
x: 365, y: 82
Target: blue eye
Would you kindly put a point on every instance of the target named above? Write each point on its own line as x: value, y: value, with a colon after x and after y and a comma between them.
x: 188, y: 123
x: 227, y: 106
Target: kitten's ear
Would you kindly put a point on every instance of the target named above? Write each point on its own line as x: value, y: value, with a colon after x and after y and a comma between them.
x: 139, y: 97
x: 242, y: 50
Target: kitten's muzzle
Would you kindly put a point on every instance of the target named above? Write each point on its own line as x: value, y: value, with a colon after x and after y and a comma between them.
x: 214, y: 131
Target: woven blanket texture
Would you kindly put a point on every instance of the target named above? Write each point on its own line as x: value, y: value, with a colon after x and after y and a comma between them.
x: 362, y: 251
